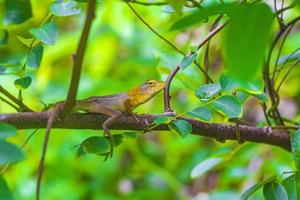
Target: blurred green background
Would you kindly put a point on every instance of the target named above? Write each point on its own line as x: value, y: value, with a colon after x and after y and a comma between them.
x: 122, y: 53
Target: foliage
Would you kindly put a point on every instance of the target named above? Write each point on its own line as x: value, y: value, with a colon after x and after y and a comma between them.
x: 38, y: 41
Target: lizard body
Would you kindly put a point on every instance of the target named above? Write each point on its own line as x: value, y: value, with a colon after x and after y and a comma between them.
x: 117, y: 104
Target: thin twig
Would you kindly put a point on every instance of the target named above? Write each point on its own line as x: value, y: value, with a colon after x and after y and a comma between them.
x: 22, y: 106
x: 286, y: 75
x: 167, y: 41
x: 78, y: 59
x: 9, y: 103
x: 167, y: 106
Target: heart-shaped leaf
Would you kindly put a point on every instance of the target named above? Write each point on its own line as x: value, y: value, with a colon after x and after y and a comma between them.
x: 187, y: 61
x: 7, y: 130
x: 64, y: 8
x: 46, y: 34
x: 35, y: 56
x: 228, y: 106
x: 203, y: 113
x: 96, y: 145
x: 181, y: 127
x: 23, y: 83
x: 9, y: 153
x: 208, y: 91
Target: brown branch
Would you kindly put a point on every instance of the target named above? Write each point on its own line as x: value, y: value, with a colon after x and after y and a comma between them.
x: 266, y: 135
x: 78, y: 59
x: 167, y: 106
x: 22, y: 106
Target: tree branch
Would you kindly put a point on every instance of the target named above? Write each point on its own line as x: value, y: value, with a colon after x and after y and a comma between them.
x: 30, y: 120
x: 78, y: 58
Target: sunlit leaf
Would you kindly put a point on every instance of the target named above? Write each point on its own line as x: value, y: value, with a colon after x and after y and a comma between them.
x: 290, y: 186
x: 3, y: 36
x: 28, y: 41
x: 251, y: 191
x: 35, y: 56
x: 203, y: 113
x: 242, y: 96
x: 201, y: 15
x: 9, y: 153
x: 181, y: 127
x: 64, y: 8
x: 23, y: 83
x: 228, y: 83
x: 5, y: 194
x: 7, y: 130
x: 228, y: 106
x: 245, y: 48
x: 96, y: 145
x: 17, y: 11
x: 295, y: 143
x: 187, y: 61
x: 46, y: 34
x: 205, y: 166
x: 274, y: 191
x: 208, y: 91
x: 262, y: 97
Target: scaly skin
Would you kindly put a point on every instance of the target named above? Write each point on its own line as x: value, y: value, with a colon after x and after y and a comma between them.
x: 116, y: 105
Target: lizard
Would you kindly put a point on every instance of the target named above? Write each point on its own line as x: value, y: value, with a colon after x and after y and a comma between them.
x: 111, y: 105
x: 121, y: 103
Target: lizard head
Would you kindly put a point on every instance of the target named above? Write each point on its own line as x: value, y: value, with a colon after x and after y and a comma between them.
x: 145, y: 92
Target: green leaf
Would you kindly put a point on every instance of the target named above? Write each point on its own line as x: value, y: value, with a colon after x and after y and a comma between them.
x: 205, y: 166
x: 162, y: 120
x: 251, y: 191
x: 17, y: 11
x: 253, y: 87
x: 187, y: 61
x: 295, y: 144
x: 7, y: 130
x: 201, y: 15
x: 208, y: 91
x: 245, y: 48
x: 290, y: 186
x: 5, y: 194
x: 177, y: 5
x: 274, y: 191
x: 23, y: 83
x: 131, y: 134
x: 181, y: 127
x: 47, y: 34
x: 203, y: 113
x: 9, y: 153
x: 27, y: 41
x: 228, y: 106
x: 3, y: 36
x: 80, y: 152
x: 242, y: 96
x: 64, y: 8
x: 35, y: 56
x: 117, y: 139
x: 96, y: 145
x: 228, y: 83
x: 262, y: 97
